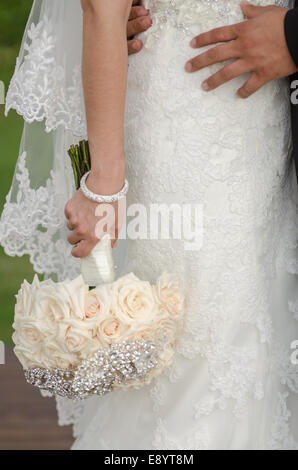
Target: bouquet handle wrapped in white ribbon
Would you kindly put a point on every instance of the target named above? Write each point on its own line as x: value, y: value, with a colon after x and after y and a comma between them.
x: 98, y: 266
x: 76, y: 342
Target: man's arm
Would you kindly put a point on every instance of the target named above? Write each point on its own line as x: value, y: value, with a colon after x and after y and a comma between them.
x: 291, y: 33
x: 258, y: 45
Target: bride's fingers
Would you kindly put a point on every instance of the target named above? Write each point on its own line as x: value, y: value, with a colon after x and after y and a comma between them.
x: 71, y: 224
x: 212, y: 56
x: 83, y: 249
x: 74, y: 238
x: 226, y: 74
x: 253, y: 84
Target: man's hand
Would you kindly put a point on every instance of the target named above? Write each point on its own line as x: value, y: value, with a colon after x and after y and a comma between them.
x: 138, y: 22
x: 257, y: 45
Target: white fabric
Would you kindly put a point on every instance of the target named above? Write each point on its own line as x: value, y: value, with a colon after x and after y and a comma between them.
x: 232, y: 385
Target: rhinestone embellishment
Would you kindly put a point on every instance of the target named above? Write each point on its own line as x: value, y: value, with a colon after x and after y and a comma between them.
x: 101, y: 198
x: 110, y: 368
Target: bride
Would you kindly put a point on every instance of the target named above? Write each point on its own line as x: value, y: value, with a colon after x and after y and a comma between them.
x: 233, y: 384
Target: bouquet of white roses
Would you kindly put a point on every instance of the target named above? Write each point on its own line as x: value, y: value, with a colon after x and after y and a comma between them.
x: 76, y: 342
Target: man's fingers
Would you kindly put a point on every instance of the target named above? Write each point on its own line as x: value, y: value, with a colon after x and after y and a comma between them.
x: 253, y: 84
x: 134, y: 45
x: 135, y: 12
x: 224, y: 34
x: 138, y: 25
x: 212, y: 56
x: 226, y: 74
x: 252, y: 11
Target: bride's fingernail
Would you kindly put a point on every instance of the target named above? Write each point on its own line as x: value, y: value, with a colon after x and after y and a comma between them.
x: 205, y: 86
x: 193, y: 43
x: 188, y: 67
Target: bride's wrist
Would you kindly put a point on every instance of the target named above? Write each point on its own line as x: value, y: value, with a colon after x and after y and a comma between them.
x: 106, y: 182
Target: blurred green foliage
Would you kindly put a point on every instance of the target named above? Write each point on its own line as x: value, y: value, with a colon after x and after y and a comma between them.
x: 13, y: 18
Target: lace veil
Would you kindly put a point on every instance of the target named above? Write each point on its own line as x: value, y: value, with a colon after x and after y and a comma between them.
x: 46, y: 90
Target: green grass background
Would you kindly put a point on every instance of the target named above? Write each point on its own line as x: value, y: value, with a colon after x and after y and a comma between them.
x: 13, y: 17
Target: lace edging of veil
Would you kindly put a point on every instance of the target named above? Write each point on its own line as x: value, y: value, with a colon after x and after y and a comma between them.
x: 46, y: 91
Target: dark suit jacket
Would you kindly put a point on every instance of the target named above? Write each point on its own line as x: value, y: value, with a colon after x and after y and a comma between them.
x: 291, y: 32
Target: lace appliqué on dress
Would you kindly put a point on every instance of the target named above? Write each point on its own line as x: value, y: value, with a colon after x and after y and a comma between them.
x: 185, y: 14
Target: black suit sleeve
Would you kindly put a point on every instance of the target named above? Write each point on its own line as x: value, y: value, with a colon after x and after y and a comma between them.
x: 291, y: 32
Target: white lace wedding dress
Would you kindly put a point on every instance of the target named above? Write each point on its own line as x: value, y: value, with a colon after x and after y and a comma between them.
x: 233, y: 384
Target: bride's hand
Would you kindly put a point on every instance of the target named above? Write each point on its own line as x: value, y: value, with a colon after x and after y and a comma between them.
x: 88, y: 221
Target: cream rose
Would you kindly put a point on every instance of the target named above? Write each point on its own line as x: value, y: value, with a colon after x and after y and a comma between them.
x: 74, y: 338
x: 59, y: 359
x: 27, y: 358
x: 28, y: 333
x: 167, y: 327
x: 52, y: 304
x: 144, y: 334
x: 133, y: 300
x: 169, y: 294
x: 57, y: 302
x: 111, y: 330
x: 76, y: 291
x: 26, y: 296
x: 97, y: 304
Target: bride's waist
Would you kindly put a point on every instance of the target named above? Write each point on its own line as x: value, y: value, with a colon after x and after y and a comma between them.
x: 202, y: 14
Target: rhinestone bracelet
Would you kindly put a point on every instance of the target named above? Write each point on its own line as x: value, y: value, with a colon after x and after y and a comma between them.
x: 99, y: 197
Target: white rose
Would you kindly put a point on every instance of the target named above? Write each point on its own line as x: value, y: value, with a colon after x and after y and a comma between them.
x: 169, y: 294
x: 27, y: 358
x: 54, y: 357
x: 111, y: 330
x: 97, y: 306
x: 144, y: 334
x: 26, y: 296
x: 59, y: 301
x: 133, y: 300
x: 74, y: 338
x: 168, y: 328
x: 77, y: 290
x: 28, y: 333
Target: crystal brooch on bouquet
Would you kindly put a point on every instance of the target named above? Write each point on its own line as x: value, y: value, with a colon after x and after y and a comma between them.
x: 121, y: 364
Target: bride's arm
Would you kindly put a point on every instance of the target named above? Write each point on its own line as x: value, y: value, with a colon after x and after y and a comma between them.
x: 104, y: 70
